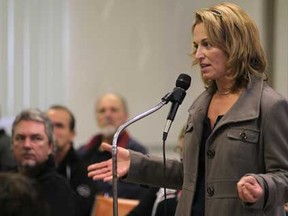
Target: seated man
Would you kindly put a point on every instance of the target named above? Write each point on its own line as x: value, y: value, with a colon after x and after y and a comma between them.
x: 32, y: 145
x: 68, y: 163
x: 111, y: 112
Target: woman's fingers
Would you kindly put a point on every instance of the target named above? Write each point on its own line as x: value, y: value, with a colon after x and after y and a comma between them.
x: 249, y: 189
x: 103, y: 170
x: 100, y: 170
x: 106, y: 147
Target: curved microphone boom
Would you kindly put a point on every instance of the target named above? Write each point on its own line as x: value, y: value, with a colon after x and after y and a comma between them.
x: 176, y: 97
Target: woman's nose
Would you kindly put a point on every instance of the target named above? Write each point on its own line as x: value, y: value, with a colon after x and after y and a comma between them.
x: 199, y: 54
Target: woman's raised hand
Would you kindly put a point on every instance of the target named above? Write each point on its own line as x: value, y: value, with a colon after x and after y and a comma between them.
x: 103, y: 170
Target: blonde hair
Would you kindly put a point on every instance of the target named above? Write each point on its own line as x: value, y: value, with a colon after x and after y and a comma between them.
x: 232, y: 30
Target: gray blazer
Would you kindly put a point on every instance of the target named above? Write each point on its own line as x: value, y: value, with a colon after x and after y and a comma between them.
x: 250, y: 139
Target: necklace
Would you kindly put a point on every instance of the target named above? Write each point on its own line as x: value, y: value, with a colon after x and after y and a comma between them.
x: 223, y: 92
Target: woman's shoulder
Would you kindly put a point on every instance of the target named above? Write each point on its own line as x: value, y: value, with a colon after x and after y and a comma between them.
x: 272, y: 100
x: 271, y: 96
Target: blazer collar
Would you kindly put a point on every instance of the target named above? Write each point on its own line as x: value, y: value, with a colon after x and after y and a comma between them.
x: 246, y: 108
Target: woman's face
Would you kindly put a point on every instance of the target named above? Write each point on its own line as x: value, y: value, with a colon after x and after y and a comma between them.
x: 212, y: 60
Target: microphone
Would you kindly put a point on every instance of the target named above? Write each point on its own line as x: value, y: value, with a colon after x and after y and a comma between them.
x: 176, y: 97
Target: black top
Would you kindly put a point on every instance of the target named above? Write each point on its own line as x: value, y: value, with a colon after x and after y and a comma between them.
x: 146, y: 203
x: 198, y: 207
x: 75, y: 171
x: 55, y: 190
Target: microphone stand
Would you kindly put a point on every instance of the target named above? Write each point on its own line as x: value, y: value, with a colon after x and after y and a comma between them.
x: 164, y: 101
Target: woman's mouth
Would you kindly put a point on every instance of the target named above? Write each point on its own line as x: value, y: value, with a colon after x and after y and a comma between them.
x: 203, y: 65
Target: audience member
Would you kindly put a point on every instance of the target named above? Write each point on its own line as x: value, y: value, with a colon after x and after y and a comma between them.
x: 19, y: 196
x: 32, y: 144
x: 111, y: 112
x: 7, y: 161
x: 67, y: 161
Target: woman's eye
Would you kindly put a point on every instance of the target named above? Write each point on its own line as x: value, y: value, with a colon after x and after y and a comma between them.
x: 206, y: 44
x: 195, y: 47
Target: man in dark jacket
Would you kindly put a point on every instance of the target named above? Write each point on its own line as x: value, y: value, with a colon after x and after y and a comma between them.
x: 111, y: 112
x: 32, y: 144
x: 67, y: 161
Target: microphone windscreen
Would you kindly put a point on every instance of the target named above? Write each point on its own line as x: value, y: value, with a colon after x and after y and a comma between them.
x: 183, y: 81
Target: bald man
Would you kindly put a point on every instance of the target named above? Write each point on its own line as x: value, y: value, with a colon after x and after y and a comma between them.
x: 111, y: 112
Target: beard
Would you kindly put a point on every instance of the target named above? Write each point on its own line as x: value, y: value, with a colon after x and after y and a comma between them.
x: 108, y: 131
x: 31, y: 168
x: 30, y: 165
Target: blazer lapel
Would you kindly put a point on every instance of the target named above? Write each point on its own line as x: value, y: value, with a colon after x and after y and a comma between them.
x: 247, y: 106
x: 198, y: 113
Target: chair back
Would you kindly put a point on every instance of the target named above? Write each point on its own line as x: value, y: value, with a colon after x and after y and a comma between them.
x: 103, y: 206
